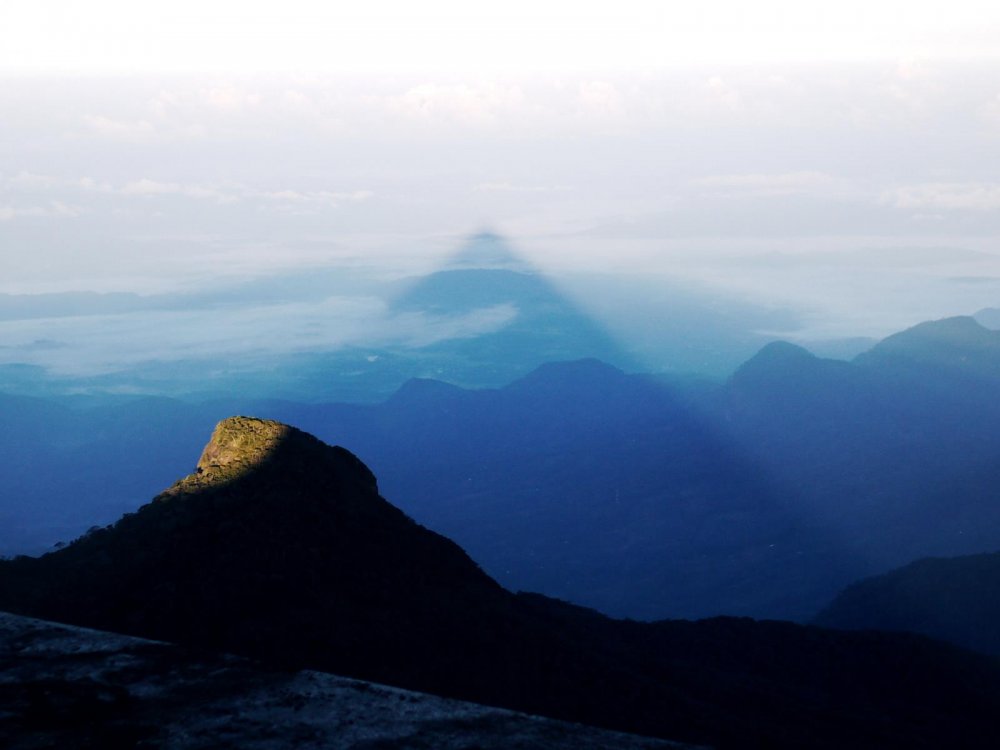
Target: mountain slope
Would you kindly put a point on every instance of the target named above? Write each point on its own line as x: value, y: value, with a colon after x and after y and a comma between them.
x: 588, y: 484
x: 279, y: 546
x: 951, y: 347
x: 988, y: 317
x: 955, y: 599
x: 895, y: 453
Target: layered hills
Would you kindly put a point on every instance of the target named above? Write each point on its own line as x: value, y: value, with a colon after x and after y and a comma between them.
x: 280, y: 547
x: 641, y: 496
x: 647, y: 497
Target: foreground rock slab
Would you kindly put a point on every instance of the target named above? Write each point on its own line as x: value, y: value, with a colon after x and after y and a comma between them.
x: 63, y: 686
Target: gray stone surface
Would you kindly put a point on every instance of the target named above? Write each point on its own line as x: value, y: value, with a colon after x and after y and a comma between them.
x: 63, y: 686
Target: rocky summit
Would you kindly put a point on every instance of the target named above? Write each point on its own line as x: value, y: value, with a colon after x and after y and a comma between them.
x: 240, y: 443
x: 242, y: 446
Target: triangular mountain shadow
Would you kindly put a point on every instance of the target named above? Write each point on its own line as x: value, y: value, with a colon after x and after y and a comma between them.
x: 533, y: 322
x: 488, y: 250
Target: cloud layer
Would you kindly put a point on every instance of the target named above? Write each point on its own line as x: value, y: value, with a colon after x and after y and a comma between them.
x: 175, y: 182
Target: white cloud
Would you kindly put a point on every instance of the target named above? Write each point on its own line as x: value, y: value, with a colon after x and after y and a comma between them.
x: 507, y: 187
x: 296, y: 100
x: 464, y: 103
x: 58, y: 208
x: 600, y: 99
x: 127, y: 130
x: 104, y: 343
x: 303, y: 203
x: 419, y: 329
x: 770, y: 184
x: 955, y: 196
x: 31, y: 182
x: 230, y: 98
x: 990, y: 111
x: 723, y: 93
x: 316, y: 197
x: 171, y: 124
x: 53, y: 208
x: 152, y: 187
x: 92, y: 185
x: 163, y: 103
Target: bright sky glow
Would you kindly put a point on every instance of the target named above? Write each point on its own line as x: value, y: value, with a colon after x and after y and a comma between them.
x: 123, y: 36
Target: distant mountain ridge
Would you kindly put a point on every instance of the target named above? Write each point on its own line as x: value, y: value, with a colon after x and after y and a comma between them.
x: 959, y: 346
x: 988, y: 317
x: 956, y: 599
x: 280, y: 547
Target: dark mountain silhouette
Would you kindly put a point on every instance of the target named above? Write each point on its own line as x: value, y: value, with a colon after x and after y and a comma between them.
x: 271, y: 518
x: 280, y: 547
x: 955, y: 599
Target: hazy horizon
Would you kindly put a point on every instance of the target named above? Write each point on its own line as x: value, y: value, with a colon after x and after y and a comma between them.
x: 838, y: 166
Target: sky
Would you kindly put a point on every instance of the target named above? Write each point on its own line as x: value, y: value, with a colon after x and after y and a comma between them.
x: 452, y: 36
x: 840, y: 159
